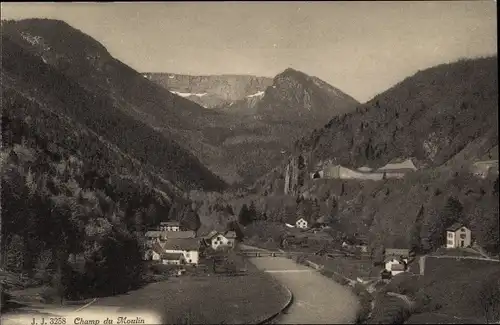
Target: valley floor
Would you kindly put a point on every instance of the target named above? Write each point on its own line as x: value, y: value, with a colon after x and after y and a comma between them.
x: 196, y: 299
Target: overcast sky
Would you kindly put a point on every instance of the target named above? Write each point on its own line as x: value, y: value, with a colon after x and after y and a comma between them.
x: 363, y: 48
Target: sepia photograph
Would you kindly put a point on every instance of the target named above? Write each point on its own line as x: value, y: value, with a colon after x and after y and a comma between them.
x: 249, y: 162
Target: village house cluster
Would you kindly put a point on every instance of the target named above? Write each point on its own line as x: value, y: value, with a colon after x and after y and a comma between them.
x: 396, y: 260
x: 170, y: 244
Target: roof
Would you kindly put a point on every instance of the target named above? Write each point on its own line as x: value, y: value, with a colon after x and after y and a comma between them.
x: 230, y: 234
x: 455, y: 226
x: 178, y: 234
x: 396, y: 258
x: 153, y: 233
x: 397, y: 251
x: 212, y: 234
x: 157, y: 248
x: 182, y: 244
x: 170, y: 223
x: 396, y: 170
x: 404, y: 165
x: 397, y: 267
x: 172, y: 256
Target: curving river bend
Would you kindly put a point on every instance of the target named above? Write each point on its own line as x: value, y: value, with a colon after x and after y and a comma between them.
x: 316, y: 299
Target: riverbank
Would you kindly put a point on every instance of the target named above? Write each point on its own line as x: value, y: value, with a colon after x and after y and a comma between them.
x: 316, y: 299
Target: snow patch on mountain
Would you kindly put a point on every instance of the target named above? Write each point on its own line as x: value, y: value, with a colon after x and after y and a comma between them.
x: 257, y: 94
x: 188, y: 94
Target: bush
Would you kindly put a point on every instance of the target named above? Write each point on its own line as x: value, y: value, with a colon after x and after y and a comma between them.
x: 50, y: 295
x: 340, y: 279
x: 5, y: 297
x: 364, y: 310
x: 423, y: 302
x: 403, y: 284
x: 358, y: 289
x: 160, y: 269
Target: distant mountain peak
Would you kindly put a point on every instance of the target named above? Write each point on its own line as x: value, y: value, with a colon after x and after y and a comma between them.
x: 291, y: 73
x: 295, y: 92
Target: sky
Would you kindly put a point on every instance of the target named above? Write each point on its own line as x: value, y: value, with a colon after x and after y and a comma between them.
x: 362, y: 48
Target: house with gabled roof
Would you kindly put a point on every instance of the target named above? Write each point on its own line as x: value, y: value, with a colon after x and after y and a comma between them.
x: 458, y: 235
x: 173, y: 258
x: 189, y: 247
x: 217, y: 240
x: 301, y: 223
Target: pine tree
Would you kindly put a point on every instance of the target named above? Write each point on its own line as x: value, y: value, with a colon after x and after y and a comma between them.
x: 452, y: 212
x: 415, y: 237
x: 244, y: 215
x: 190, y: 219
x: 315, y: 210
x: 252, y: 212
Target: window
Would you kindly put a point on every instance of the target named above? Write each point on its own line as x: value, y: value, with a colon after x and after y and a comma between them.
x: 450, y: 235
x: 462, y: 236
x: 462, y: 230
x: 450, y: 242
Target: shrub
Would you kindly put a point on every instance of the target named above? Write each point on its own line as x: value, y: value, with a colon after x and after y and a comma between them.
x: 389, y: 310
x: 358, y: 289
x: 50, y: 295
x: 5, y: 297
x: 161, y: 269
x: 403, y: 284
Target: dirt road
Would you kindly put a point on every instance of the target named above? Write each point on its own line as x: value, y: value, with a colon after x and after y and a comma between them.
x: 316, y: 299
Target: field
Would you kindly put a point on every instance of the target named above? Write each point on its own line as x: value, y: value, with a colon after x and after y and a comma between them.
x: 200, y: 297
x: 452, y: 288
x: 455, y: 252
x: 207, y: 299
x: 351, y: 268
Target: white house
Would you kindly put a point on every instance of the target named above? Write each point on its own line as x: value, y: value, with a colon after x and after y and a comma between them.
x: 173, y: 258
x: 458, y: 235
x: 301, y: 223
x: 218, y: 240
x: 188, y: 247
x: 395, y: 265
x: 169, y: 226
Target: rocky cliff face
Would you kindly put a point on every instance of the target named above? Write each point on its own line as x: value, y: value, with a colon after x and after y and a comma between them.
x: 259, y: 118
x: 303, y: 98
x: 212, y: 91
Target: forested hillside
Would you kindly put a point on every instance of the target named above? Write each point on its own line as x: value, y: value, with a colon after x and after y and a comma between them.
x: 445, y: 118
x: 81, y: 180
x: 430, y: 116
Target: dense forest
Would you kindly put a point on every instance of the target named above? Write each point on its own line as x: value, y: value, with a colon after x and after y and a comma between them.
x: 76, y: 193
x: 430, y: 116
x: 444, y: 118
